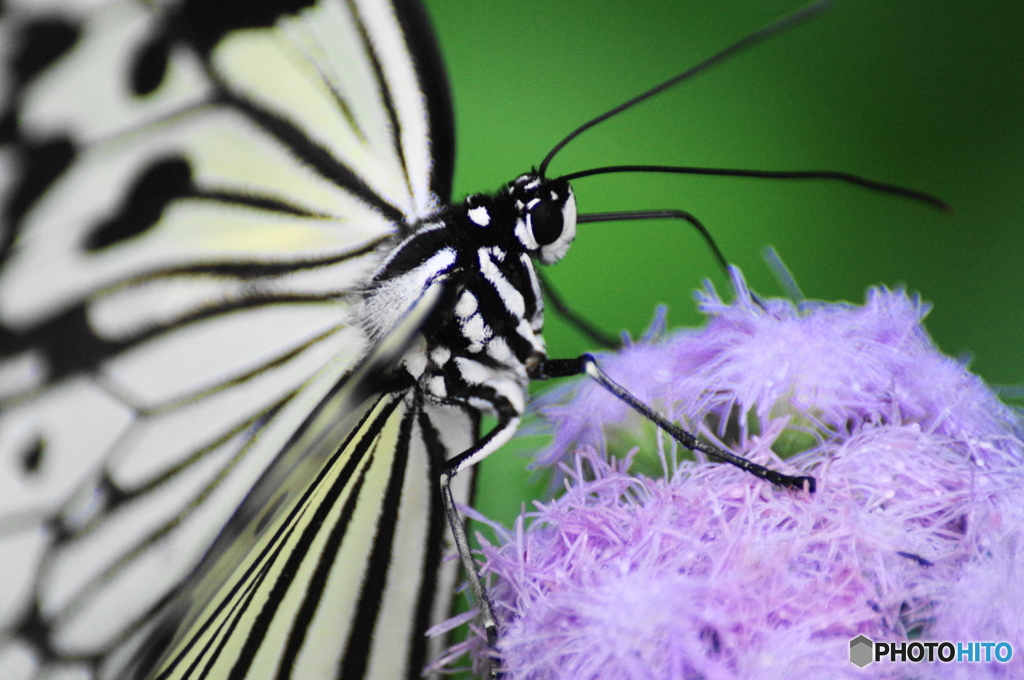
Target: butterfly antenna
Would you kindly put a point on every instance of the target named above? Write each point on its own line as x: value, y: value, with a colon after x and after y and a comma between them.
x: 769, y: 31
x: 845, y: 177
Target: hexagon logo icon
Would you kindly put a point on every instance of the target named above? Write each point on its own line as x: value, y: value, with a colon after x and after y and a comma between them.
x: 861, y: 651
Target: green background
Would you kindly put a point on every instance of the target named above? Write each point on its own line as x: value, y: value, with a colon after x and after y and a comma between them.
x: 924, y: 93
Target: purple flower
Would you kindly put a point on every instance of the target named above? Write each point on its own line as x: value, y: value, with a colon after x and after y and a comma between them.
x: 702, y: 571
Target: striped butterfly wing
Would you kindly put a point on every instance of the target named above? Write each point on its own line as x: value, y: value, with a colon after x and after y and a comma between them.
x: 304, y: 598
x: 193, y: 193
x: 331, y: 567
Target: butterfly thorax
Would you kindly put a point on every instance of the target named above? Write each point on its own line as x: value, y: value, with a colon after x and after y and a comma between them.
x: 487, y: 332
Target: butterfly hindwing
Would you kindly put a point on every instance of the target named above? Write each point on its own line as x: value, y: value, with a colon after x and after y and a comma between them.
x: 331, y: 567
x: 324, y: 586
x: 193, y: 197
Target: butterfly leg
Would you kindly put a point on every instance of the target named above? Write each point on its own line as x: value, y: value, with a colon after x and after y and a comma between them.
x: 574, y: 318
x: 587, y: 364
x: 508, y: 422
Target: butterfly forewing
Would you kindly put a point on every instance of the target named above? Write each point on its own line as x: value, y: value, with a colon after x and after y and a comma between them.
x: 197, y: 195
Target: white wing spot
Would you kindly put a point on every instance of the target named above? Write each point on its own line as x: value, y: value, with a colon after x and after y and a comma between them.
x: 466, y: 306
x: 436, y: 387
x: 499, y: 350
x: 475, y: 373
x: 479, y: 216
x: 476, y: 331
x: 440, y: 355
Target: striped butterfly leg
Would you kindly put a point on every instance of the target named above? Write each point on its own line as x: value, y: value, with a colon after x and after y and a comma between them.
x: 508, y: 422
x: 587, y: 364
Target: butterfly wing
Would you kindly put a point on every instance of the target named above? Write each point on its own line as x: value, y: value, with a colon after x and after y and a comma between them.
x: 332, y: 565
x: 305, y: 601
x: 193, y: 194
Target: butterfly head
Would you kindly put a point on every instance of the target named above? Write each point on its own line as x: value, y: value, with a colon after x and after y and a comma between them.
x: 546, y: 216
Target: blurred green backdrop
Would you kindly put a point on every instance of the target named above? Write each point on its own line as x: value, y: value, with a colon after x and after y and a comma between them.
x: 924, y: 93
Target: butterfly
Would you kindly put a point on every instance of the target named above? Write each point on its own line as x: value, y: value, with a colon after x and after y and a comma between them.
x: 245, y: 333
x: 203, y: 192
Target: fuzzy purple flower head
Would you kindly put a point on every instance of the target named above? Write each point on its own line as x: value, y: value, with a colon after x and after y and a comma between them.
x: 698, y: 570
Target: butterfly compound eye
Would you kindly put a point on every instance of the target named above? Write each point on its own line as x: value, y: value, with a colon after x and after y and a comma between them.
x: 546, y: 222
x: 547, y: 216
x: 553, y: 221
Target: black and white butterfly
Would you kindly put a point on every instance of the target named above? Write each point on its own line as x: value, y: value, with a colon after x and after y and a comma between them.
x: 243, y: 335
